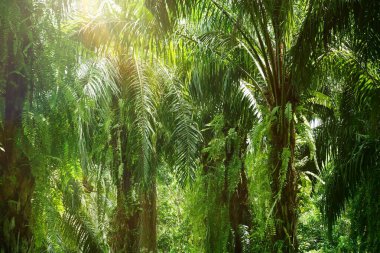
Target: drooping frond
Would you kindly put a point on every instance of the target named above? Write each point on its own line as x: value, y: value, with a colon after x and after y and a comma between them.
x: 98, y: 79
x: 349, y: 174
x: 78, y: 228
x: 186, y: 136
x: 357, y: 20
x: 75, y: 224
x: 137, y: 85
x: 353, y: 134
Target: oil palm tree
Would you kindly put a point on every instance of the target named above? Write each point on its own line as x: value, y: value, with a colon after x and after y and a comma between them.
x: 145, y: 85
x: 25, y: 80
x: 264, y: 33
x: 282, y: 42
x: 45, y: 101
x: 355, y: 25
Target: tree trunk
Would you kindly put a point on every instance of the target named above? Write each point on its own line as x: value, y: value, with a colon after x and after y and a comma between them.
x: 17, y: 182
x: 148, y: 219
x: 125, y: 221
x: 284, y: 185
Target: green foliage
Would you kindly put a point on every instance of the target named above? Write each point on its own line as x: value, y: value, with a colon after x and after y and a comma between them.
x: 208, y: 215
x: 189, y: 126
x: 257, y: 160
x: 354, y: 158
x: 174, y: 232
x: 65, y: 222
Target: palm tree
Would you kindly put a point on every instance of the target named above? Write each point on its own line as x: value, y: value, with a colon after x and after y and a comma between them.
x: 27, y: 48
x: 40, y: 104
x: 264, y: 33
x: 144, y: 85
x: 281, y: 40
x: 348, y: 132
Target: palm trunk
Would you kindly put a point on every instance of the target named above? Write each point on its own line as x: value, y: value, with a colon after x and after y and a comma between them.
x: 125, y: 220
x: 284, y: 186
x: 17, y: 182
x: 148, y: 219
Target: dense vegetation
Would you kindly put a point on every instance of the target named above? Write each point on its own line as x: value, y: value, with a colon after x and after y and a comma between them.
x: 190, y: 126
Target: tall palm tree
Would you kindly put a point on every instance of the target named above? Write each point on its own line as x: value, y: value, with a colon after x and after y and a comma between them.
x: 144, y: 84
x: 282, y: 41
x: 41, y: 90
x: 25, y: 53
x: 264, y: 33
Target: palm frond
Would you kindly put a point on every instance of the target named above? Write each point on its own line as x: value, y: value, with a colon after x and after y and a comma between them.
x: 115, y: 29
x: 186, y: 138
x: 78, y: 228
